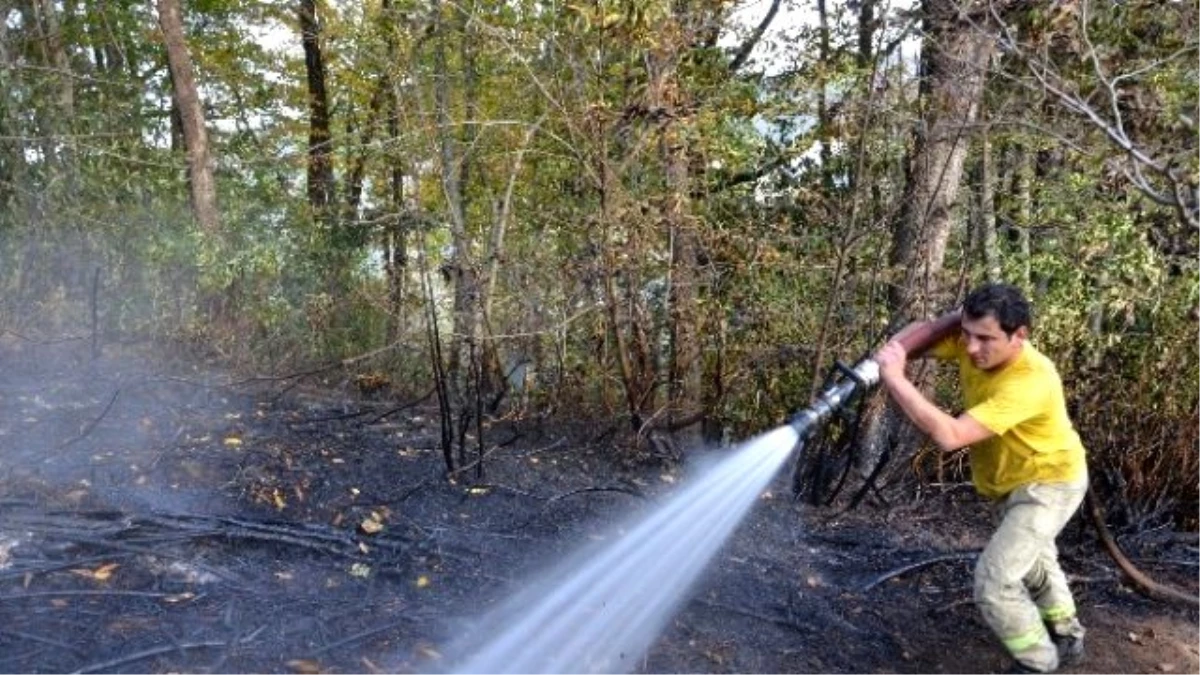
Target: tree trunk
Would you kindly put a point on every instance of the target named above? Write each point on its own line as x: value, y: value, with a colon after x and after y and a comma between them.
x: 984, y: 225
x: 195, y: 134
x: 320, y: 140
x: 684, y: 367
x: 824, y: 123
x: 461, y: 269
x: 954, y: 61
x: 354, y: 182
x: 637, y: 378
x: 867, y: 25
x: 396, y: 234
x: 500, y: 221
x: 955, y: 64
x: 468, y: 36
x: 56, y: 55
x: 685, y: 395
x: 13, y: 171
x: 1023, y: 217
x: 57, y: 132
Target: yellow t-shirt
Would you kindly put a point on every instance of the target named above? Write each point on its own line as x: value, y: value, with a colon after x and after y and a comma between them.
x: 1022, y: 403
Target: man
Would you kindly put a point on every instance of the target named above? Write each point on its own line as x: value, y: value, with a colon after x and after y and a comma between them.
x: 1025, y: 456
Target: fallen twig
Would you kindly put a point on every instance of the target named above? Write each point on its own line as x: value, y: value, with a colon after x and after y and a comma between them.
x: 944, y: 609
x: 406, y: 406
x: 44, y: 640
x: 147, y: 653
x: 22, y: 657
x: 962, y: 555
x: 361, y: 636
x: 559, y: 497
x: 76, y: 592
x: 610, y: 488
x: 546, y: 448
x: 1142, y: 583
x: 1168, y: 561
x: 784, y: 621
x: 92, y: 425
x: 463, y: 469
x: 42, y: 569
x: 329, y: 418
x: 125, y: 536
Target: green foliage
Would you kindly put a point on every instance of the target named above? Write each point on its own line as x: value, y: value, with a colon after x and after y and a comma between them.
x: 567, y: 119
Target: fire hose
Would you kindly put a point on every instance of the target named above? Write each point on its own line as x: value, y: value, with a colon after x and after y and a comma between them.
x: 844, y: 395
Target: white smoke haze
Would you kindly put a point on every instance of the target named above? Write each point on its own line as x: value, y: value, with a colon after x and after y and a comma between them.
x: 91, y: 402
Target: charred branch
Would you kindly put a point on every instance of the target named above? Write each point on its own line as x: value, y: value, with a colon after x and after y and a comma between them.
x: 1139, y: 579
x: 148, y: 653
x: 919, y: 565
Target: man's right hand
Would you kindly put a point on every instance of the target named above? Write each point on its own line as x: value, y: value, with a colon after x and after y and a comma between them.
x: 892, y: 359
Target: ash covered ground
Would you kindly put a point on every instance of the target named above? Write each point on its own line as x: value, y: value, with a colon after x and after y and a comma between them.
x: 156, y: 516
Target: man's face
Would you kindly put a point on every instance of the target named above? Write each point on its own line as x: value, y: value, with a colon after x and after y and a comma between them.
x: 988, y: 346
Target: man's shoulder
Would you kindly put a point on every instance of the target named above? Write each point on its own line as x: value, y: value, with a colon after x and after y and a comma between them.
x: 1034, y: 365
x: 1035, y: 359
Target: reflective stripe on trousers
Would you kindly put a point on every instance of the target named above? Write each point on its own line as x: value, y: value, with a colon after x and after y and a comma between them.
x: 1019, y: 586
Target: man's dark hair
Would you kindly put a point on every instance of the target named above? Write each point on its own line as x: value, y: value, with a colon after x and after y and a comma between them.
x: 1003, y: 302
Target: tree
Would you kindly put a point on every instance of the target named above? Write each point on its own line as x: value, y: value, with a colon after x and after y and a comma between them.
x: 195, y: 134
x: 321, y: 185
x: 13, y: 170
x: 954, y: 63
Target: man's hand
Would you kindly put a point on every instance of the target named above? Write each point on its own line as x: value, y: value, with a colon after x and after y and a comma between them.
x: 892, y: 359
x: 950, y: 433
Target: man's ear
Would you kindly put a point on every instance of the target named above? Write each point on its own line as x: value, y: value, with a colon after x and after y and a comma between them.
x: 1022, y: 333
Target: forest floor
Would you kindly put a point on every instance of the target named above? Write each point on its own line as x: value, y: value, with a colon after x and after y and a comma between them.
x: 159, y: 518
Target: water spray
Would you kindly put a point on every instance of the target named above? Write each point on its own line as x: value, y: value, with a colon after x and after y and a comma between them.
x: 602, y: 608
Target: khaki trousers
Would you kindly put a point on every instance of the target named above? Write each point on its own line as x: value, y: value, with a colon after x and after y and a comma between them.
x: 1019, y: 586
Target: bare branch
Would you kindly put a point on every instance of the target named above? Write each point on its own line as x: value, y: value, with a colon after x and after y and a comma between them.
x: 1134, y: 175
x: 1179, y: 193
x: 743, y: 52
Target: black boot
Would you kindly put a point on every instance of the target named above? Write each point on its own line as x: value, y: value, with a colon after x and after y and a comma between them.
x: 1070, y: 649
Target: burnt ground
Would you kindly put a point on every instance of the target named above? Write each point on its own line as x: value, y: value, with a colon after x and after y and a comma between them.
x: 156, y: 517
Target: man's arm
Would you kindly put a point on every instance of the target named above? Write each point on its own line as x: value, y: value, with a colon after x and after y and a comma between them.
x: 919, y: 337
x: 950, y: 433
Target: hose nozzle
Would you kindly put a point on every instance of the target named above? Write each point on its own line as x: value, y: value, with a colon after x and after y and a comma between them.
x: 863, y: 376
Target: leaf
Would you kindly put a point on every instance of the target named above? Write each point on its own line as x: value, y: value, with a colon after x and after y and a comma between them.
x: 427, y: 651
x: 101, y: 573
x: 372, y: 524
x: 360, y: 570
x: 304, y: 666
x: 233, y: 442
x: 422, y: 581
x: 179, y: 597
